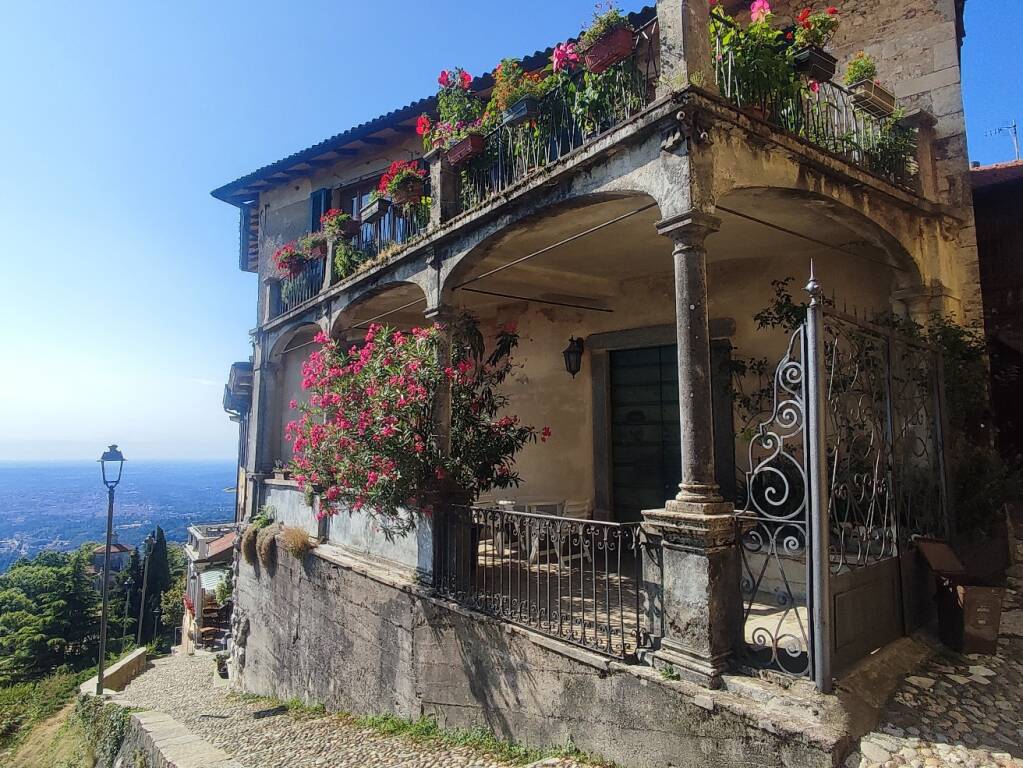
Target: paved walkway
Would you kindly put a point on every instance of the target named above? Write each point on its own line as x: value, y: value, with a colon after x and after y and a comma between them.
x: 959, y: 710
x: 186, y: 688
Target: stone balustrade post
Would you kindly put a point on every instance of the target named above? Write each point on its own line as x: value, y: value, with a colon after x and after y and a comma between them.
x: 444, y: 187
x: 686, y: 57
x: 700, y: 598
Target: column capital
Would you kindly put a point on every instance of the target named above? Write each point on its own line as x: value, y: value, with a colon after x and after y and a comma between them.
x: 441, y: 314
x: 689, y: 228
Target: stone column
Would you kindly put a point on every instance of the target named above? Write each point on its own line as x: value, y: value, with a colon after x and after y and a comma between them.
x: 685, y: 46
x: 444, y: 192
x: 701, y: 602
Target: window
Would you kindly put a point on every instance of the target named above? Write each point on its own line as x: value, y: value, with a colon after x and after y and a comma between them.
x: 319, y: 204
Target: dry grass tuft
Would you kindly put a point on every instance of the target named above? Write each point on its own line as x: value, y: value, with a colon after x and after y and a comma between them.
x: 249, y: 543
x: 266, y: 545
x: 295, y: 542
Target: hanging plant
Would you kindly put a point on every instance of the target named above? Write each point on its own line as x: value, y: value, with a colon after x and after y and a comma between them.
x: 290, y: 260
x: 403, y: 182
x: 814, y: 30
x: 336, y: 224
x: 459, y: 118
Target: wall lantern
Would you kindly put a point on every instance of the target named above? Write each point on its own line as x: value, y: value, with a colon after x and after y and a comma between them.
x: 573, y: 355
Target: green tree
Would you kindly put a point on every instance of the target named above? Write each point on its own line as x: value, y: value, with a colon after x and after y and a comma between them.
x: 172, y: 605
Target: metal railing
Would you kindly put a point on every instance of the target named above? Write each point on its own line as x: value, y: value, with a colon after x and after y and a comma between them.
x: 824, y: 113
x: 289, y: 292
x: 580, y: 581
x: 569, y: 117
x: 401, y: 224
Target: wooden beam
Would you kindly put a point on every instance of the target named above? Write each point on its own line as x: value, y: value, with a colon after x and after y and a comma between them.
x: 404, y: 129
x: 374, y: 140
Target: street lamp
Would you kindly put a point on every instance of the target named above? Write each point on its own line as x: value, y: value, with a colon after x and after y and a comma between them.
x: 111, y: 463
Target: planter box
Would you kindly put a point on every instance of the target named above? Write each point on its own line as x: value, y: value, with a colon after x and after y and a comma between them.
x: 873, y: 98
x: 522, y: 111
x: 815, y: 63
x: 351, y: 228
x: 408, y: 192
x: 319, y: 250
x: 612, y: 48
x: 465, y: 150
x: 375, y: 210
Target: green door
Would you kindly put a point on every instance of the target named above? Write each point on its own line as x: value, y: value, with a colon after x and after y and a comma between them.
x: 645, y: 444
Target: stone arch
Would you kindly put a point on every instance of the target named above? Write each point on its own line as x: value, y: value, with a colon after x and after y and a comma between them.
x: 586, y: 259
x: 397, y: 303
x: 287, y: 353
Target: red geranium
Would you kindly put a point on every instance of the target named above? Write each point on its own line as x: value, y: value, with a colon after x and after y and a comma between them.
x: 398, y: 173
x: 423, y: 125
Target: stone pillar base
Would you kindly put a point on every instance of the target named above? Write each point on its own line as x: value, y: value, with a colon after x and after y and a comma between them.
x: 701, y: 601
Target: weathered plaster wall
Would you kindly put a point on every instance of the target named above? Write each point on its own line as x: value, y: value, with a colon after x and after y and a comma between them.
x: 325, y: 632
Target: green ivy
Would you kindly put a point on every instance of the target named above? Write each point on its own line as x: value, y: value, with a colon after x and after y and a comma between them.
x: 105, y: 725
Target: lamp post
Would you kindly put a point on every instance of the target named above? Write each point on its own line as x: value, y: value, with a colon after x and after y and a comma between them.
x: 111, y: 463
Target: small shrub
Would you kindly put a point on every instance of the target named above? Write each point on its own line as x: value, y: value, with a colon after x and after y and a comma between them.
x: 266, y: 545
x: 295, y: 542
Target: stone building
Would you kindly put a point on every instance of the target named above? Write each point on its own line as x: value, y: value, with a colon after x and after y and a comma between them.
x: 653, y: 233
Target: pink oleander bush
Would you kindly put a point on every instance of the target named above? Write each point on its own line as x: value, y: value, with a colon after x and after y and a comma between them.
x: 366, y: 438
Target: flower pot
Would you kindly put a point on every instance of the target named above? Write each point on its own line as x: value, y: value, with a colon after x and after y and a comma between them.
x: 410, y: 191
x: 318, y: 250
x: 873, y: 98
x: 465, y: 150
x: 375, y: 210
x: 522, y: 111
x: 351, y: 228
x: 613, y: 47
x: 815, y: 63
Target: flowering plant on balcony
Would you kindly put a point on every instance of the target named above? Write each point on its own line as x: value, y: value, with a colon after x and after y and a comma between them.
x: 861, y: 67
x: 337, y: 224
x: 458, y: 111
x: 366, y: 439
x: 403, y: 179
x: 290, y: 260
x: 816, y: 27
x: 511, y: 85
x: 607, y: 17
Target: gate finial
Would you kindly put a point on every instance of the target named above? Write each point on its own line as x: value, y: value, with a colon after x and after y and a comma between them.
x: 813, y: 287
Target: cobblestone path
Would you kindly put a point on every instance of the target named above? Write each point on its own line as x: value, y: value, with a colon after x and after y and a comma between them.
x: 186, y: 688
x: 958, y: 710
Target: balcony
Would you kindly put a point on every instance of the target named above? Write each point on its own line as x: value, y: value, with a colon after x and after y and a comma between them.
x: 822, y: 113
x: 567, y: 118
x: 376, y: 241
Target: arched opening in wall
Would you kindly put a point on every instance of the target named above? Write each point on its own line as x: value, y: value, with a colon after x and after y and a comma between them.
x: 758, y: 264
x: 289, y: 353
x: 592, y: 268
x: 395, y: 305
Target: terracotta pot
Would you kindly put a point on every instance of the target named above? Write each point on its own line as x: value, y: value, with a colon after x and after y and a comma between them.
x: 873, y: 98
x: 610, y: 49
x: 408, y: 192
x: 815, y: 63
x: 465, y: 150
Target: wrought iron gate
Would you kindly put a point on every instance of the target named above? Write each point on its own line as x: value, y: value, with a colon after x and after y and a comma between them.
x: 847, y: 469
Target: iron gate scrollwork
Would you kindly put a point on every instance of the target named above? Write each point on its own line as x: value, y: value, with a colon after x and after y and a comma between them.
x: 845, y: 471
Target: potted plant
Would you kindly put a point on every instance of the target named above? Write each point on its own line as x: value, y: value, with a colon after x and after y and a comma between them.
x: 281, y: 470
x: 516, y: 96
x: 459, y: 129
x: 339, y: 225
x: 403, y: 182
x: 608, y: 40
x: 814, y: 30
x: 290, y: 260
x: 868, y: 94
x: 375, y: 209
x: 314, y: 245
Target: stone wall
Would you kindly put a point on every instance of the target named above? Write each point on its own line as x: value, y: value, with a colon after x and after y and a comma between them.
x: 330, y: 630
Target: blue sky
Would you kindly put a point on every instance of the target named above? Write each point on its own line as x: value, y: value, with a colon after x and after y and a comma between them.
x: 122, y: 305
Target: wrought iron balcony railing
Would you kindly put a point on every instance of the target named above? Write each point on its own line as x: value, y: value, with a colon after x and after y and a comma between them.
x: 290, y: 292
x: 580, y: 581
x: 823, y: 113
x: 569, y: 117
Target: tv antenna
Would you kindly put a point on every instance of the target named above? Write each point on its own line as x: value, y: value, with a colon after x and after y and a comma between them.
x: 1011, y: 129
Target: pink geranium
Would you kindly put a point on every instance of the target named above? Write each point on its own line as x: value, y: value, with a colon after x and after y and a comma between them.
x: 759, y: 11
x: 565, y: 57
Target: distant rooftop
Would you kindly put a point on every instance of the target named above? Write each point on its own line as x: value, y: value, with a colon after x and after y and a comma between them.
x: 996, y: 173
